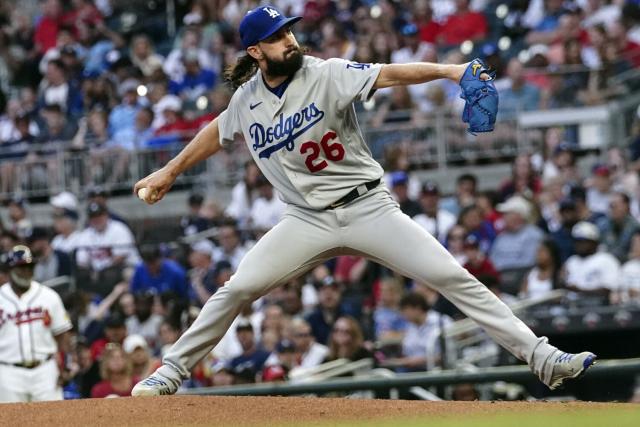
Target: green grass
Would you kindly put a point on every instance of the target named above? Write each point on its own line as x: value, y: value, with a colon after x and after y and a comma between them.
x: 624, y: 417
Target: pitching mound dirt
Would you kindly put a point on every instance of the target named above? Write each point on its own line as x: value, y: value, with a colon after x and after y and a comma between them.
x: 249, y: 411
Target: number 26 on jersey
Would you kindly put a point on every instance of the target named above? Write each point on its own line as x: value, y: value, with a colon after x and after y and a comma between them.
x: 332, y: 150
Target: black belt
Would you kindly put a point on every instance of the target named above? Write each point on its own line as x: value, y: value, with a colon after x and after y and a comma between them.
x: 355, y: 193
x: 29, y: 365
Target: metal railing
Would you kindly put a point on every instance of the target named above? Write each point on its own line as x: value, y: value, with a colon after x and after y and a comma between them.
x: 518, y: 374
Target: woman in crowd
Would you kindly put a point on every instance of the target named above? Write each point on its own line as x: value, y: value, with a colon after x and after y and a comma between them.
x: 116, y: 373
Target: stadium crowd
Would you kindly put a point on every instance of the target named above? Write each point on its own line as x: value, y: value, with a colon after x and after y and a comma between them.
x: 85, y: 76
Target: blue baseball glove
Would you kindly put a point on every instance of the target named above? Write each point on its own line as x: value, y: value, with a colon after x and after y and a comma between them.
x: 481, y: 98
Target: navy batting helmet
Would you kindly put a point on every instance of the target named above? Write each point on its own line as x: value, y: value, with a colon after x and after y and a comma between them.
x: 18, y: 256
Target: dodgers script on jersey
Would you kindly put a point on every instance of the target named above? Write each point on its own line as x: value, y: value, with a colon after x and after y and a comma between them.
x: 308, y: 143
x: 29, y: 324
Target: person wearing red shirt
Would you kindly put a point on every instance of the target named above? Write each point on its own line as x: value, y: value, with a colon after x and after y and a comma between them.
x: 427, y: 27
x: 477, y: 263
x: 463, y: 25
x: 46, y: 32
x: 115, y: 370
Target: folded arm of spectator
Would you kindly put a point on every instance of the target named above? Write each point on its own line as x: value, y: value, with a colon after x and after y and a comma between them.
x: 105, y: 305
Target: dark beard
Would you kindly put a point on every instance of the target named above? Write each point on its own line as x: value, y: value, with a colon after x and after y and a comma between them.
x: 287, y: 67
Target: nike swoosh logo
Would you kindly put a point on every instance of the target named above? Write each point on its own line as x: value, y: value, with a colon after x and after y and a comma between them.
x: 251, y: 107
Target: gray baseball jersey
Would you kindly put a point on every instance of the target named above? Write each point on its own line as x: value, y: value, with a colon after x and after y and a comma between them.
x: 307, y: 143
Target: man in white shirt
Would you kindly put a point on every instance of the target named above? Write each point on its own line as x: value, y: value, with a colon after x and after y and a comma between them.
x: 104, y: 249
x: 267, y: 209
x: 630, y: 274
x: 230, y: 248
x: 590, y: 273
x: 435, y: 220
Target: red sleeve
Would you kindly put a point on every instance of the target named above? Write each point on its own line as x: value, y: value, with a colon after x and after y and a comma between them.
x: 101, y: 390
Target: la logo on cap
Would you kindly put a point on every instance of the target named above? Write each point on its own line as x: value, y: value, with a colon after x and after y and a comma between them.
x: 272, y: 12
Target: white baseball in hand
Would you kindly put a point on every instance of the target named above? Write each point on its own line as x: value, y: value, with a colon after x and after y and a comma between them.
x: 144, y: 194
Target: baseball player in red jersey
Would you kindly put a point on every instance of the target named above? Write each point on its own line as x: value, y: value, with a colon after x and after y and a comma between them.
x: 33, y: 326
x: 297, y: 117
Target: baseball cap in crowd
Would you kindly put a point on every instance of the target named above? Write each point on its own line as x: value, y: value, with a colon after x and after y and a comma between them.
x: 37, y: 233
x: 95, y: 209
x: 129, y: 85
x: 601, y: 170
x: 516, y: 204
x: 489, y: 49
x: 67, y: 213
x: 585, y: 231
x: 19, y: 201
x: 97, y: 191
x: 285, y: 346
x: 168, y: 102
x: 399, y: 178
x: 262, y: 22
x: 430, y: 188
x: 204, y: 246
x: 563, y: 147
x: 133, y: 342
x: 195, y: 199
x: 409, y: 30
x: 567, y: 204
x: 65, y: 200
x: 471, y: 241
x: 115, y: 320
x: 244, y: 325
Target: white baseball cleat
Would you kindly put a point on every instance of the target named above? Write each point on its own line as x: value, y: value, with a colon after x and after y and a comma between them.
x: 569, y: 366
x: 156, y: 384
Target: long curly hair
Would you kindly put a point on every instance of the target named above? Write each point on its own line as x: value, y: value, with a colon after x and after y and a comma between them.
x: 241, y: 71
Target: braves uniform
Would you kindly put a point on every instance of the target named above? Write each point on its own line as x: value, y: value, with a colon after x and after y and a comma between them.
x: 309, y: 146
x: 28, y: 326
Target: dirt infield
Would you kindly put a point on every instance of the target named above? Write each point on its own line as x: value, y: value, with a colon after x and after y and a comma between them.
x: 253, y: 411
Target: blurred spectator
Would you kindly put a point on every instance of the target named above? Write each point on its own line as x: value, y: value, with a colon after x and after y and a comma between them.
x: 388, y: 322
x: 475, y: 225
x: 396, y: 159
x: 434, y: 219
x: 630, y: 274
x: 115, y: 331
x: 144, y: 322
x: 142, y: 362
x: 328, y: 310
x: 590, y: 273
x: 194, y: 222
x: 422, y: 346
x: 545, y: 276
x: 57, y: 89
x: 309, y: 352
x: 465, y: 194
x: 202, y: 274
x: 346, y: 341
x: 242, y: 194
x: 514, y: 250
x: 173, y: 65
x: 144, y: 56
x: 98, y: 194
x: 65, y: 226
x: 105, y: 248
x: 46, y: 31
x: 520, y: 95
x: 196, y: 80
x: 562, y: 237
x: 116, y: 373
x: 545, y: 28
x: 561, y: 164
x: 20, y: 223
x: 619, y: 226
x: 477, y: 262
x: 158, y: 275
x: 428, y: 28
x: 168, y: 334
x: 463, y: 25
x: 249, y: 364
x: 50, y: 263
x: 135, y: 137
x: 399, y: 188
x: 123, y: 115
x: 267, y: 209
x: 455, y: 243
x: 230, y: 247
x: 600, y: 191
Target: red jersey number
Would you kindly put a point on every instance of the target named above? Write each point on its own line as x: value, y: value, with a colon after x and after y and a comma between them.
x: 332, y: 151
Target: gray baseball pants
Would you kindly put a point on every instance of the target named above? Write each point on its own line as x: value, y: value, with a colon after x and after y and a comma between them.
x: 374, y: 226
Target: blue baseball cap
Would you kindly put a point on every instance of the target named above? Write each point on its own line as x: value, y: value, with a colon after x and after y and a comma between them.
x: 262, y: 22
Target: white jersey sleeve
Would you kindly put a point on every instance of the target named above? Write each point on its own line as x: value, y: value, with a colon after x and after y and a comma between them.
x: 229, y: 123
x: 352, y: 81
x: 60, y: 321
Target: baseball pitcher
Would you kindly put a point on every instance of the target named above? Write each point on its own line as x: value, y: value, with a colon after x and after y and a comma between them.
x: 297, y: 117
